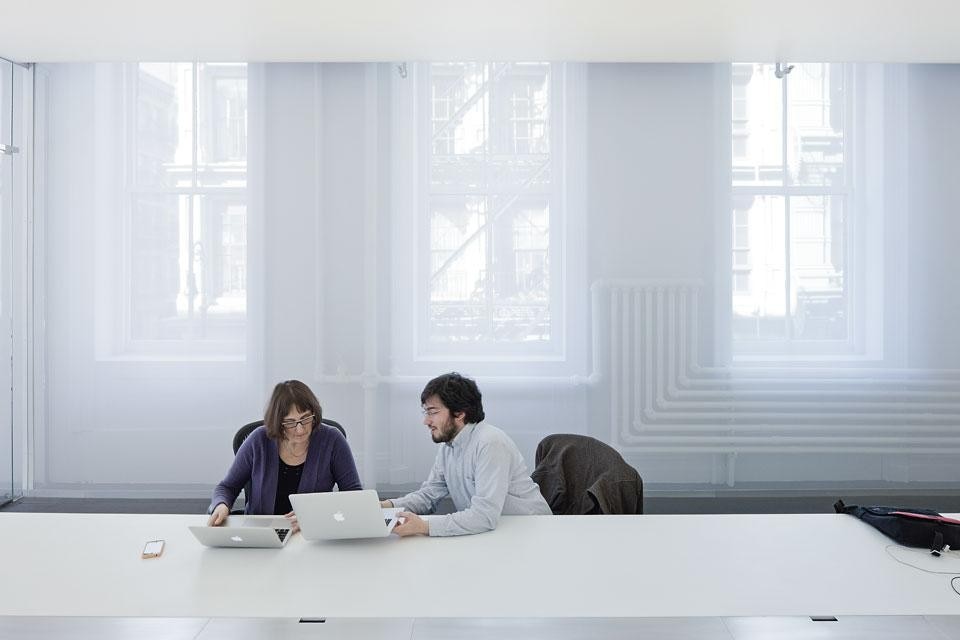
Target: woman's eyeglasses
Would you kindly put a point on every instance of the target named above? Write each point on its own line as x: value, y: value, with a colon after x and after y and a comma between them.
x: 305, y: 422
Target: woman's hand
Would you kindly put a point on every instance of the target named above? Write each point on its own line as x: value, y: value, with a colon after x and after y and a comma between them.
x: 219, y: 515
x: 386, y: 504
x: 294, y: 525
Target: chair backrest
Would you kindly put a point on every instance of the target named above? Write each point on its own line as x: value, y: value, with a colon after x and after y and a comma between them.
x: 581, y: 475
x: 244, y: 432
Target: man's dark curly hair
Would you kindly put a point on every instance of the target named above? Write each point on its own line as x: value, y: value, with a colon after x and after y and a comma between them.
x: 458, y: 394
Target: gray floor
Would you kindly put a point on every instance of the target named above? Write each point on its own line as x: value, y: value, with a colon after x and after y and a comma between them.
x: 945, y: 502
x: 107, y: 505
x: 852, y: 628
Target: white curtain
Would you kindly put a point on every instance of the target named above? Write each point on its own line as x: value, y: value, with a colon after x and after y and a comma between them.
x: 181, y: 281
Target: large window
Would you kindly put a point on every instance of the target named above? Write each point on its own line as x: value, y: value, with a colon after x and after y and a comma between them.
x: 489, y: 209
x: 792, y: 169
x: 186, y: 234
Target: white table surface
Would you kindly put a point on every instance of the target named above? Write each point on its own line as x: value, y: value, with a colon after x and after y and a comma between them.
x: 531, y: 566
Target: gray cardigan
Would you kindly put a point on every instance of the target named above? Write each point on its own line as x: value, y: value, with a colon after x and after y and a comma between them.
x: 329, y: 462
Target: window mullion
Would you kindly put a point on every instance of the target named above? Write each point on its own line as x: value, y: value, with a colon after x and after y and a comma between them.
x: 787, y: 315
x: 195, y: 116
x: 132, y: 112
x: 488, y: 209
x: 191, y: 275
x: 851, y: 140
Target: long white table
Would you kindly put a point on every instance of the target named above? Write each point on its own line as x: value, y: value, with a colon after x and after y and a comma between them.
x: 531, y: 566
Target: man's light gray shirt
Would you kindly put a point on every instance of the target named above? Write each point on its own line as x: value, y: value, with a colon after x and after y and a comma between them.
x: 482, y: 470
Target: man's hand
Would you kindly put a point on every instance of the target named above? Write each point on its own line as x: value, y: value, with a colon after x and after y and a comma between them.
x: 413, y: 525
x: 386, y: 504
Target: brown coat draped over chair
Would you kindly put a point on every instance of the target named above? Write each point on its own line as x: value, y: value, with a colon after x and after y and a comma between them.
x: 581, y: 475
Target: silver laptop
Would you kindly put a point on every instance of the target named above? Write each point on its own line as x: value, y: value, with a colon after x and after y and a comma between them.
x: 246, y: 531
x: 337, y: 515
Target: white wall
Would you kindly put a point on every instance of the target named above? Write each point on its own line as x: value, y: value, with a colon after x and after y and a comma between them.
x: 650, y: 170
x: 325, y: 218
x: 934, y: 194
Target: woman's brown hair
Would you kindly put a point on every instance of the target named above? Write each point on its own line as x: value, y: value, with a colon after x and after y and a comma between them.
x: 287, y: 395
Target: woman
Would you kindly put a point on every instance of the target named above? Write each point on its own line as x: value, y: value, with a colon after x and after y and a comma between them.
x: 293, y: 452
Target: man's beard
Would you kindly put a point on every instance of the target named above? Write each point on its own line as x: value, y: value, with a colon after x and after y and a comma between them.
x: 447, y: 431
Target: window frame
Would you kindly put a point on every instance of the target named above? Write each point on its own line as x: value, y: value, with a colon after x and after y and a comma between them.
x: 410, y: 240
x: 549, y: 349
x: 188, y: 347
x: 790, y: 347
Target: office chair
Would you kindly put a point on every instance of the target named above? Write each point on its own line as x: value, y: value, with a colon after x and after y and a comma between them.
x: 581, y: 475
x: 244, y: 431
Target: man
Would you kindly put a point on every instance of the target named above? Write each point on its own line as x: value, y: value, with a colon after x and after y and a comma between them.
x: 477, y: 465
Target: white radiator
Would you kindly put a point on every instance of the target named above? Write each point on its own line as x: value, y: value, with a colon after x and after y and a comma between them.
x: 663, y: 399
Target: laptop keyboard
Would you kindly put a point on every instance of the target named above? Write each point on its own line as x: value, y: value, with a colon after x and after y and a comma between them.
x: 282, y: 533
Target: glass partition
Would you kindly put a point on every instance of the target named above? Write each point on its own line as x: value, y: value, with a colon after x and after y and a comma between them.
x: 8, y: 156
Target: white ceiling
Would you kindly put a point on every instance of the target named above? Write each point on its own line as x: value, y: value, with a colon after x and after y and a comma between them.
x: 594, y: 30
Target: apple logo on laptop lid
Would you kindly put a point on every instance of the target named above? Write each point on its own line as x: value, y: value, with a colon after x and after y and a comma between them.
x: 338, y: 516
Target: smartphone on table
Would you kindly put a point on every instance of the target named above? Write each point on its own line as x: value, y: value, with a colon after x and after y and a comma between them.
x: 152, y: 549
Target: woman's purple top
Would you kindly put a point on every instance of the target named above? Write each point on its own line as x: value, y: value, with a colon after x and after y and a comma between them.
x: 329, y: 462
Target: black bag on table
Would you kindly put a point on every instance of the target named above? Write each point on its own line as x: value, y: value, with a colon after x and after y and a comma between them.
x: 920, y: 528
